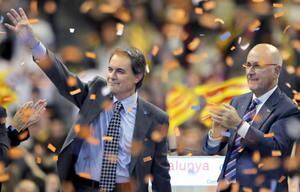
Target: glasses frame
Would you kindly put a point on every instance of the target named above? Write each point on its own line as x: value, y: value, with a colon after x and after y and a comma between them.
x: 256, y: 66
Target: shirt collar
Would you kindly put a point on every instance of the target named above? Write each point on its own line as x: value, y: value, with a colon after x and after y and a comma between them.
x: 265, y: 96
x: 128, y: 103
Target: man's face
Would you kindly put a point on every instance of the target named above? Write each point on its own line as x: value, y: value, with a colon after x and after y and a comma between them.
x: 120, y: 78
x: 262, y: 74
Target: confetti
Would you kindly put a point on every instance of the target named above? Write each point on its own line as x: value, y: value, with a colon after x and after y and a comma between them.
x: 247, y: 189
x: 155, y: 50
x: 148, y: 178
x: 229, y: 61
x: 269, y: 163
x: 107, y: 105
x: 277, y: 5
x: 277, y: 15
x: 177, y: 132
x: 136, y: 147
x: 268, y: 135
x: 50, y: 7
x: 252, y: 171
x: 75, y: 92
x: 260, y: 179
x: 194, y: 44
x: 77, y: 128
x: 198, y: 10
x: 232, y: 48
x: 33, y: 21
x: 71, y: 81
x: 146, y: 159
x: 225, y: 36
x: 256, y: 157
x: 244, y: 47
x: 290, y: 69
x: 72, y: 30
x: 90, y: 55
x: 38, y: 160
x: 282, y: 178
x: 286, y: 28
x: 219, y: 20
x: 209, y: 5
x: 257, y: 1
x: 120, y: 29
x: 105, y: 91
x: 288, y: 85
x: 93, y: 97
x: 93, y: 140
x: 55, y: 158
x: 85, y: 175
x: 254, y: 25
x: 4, y: 177
x: 34, y: 7
x: 156, y: 136
x: 107, y: 138
x: 178, y: 51
x: 51, y: 147
x: 147, y: 69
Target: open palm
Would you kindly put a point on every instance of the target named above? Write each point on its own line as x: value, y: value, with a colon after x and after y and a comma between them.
x: 21, y: 26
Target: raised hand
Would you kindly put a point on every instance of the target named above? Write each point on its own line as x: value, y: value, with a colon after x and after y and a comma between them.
x: 28, y: 114
x: 21, y: 26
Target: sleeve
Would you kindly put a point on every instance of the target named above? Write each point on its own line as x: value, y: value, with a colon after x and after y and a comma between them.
x: 160, y: 168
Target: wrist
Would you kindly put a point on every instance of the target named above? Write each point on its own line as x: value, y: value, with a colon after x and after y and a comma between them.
x: 240, y: 124
x: 214, y: 135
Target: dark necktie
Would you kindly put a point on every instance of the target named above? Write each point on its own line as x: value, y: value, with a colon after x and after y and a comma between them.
x: 230, y: 171
x: 111, y: 148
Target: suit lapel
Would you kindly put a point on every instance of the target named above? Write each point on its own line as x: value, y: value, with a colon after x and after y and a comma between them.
x: 266, y: 110
x: 142, y: 124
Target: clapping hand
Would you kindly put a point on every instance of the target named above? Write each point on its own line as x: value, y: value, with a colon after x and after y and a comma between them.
x: 28, y: 114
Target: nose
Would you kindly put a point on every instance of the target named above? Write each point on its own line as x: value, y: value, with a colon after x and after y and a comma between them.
x: 112, y: 74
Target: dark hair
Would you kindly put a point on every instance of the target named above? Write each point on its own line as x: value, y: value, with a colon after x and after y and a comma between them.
x: 138, y: 61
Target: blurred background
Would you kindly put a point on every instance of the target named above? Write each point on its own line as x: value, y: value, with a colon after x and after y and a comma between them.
x: 195, y: 50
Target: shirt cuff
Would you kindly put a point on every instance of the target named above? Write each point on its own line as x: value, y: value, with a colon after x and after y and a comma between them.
x: 242, y: 131
x: 212, y: 142
x: 39, y: 51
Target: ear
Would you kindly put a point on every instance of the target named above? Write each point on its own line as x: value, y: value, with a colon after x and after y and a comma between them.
x: 277, y: 70
x: 138, y: 77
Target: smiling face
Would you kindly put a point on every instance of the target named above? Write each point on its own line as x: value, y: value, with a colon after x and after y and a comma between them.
x: 120, y: 78
x: 264, y: 78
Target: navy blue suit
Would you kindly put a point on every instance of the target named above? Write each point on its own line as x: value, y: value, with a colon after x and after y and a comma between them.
x: 274, y: 115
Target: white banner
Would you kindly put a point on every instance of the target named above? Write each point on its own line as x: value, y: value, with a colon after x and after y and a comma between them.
x: 195, y: 170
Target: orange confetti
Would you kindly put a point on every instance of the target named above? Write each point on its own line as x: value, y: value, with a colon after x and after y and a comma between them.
x: 256, y: 157
x: 34, y: 7
x: 290, y: 69
x: 270, y: 163
x: 229, y: 61
x: 93, y: 140
x: 194, y: 44
x: 232, y: 48
x: 276, y: 153
x: 51, y: 147
x: 282, y: 178
x: 107, y: 138
x: 72, y: 81
x: 277, y: 15
x: 50, y: 7
x: 260, y: 179
x: 297, y: 96
x: 257, y: 1
x: 90, y: 55
x: 55, y: 158
x: 177, y: 132
x: 209, y: 5
x: 254, y: 25
x: 15, y: 153
x: 269, y: 135
x: 148, y: 158
x: 77, y: 128
x: 107, y: 105
x: 120, y: 29
x: 85, y: 175
x: 277, y: 5
x: 38, y: 160
x: 76, y: 91
x: 155, y: 50
x: 252, y: 171
x: 198, y: 10
x: 178, y: 51
x: 136, y: 147
x: 286, y: 28
x: 4, y: 177
x: 247, y: 189
x: 33, y: 21
x: 93, y: 97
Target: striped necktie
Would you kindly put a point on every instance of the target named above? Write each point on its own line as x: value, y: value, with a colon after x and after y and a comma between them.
x: 111, y: 149
x: 230, y: 171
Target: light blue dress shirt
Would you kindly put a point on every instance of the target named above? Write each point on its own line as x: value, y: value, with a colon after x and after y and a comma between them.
x: 90, y: 156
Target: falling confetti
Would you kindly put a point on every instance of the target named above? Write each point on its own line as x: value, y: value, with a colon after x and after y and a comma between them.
x: 120, y: 29
x: 146, y: 159
x: 93, y: 97
x: 91, y: 55
x: 51, y: 147
x: 75, y: 92
x: 225, y: 36
x: 277, y: 15
x: 219, y: 20
x: 277, y: 5
x: 72, y: 30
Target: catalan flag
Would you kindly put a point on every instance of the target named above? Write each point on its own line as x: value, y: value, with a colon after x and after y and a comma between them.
x: 182, y: 102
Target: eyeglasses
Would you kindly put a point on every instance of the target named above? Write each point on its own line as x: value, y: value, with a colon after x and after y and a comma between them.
x: 256, y: 66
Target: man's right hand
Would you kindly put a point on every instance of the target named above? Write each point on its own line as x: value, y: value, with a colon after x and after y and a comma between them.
x: 21, y: 27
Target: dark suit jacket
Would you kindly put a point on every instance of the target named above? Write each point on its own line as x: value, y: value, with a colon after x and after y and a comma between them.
x: 274, y: 115
x: 153, y: 157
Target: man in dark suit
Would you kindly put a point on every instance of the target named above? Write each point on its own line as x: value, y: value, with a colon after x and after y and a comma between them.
x: 115, y: 149
x: 254, y: 128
